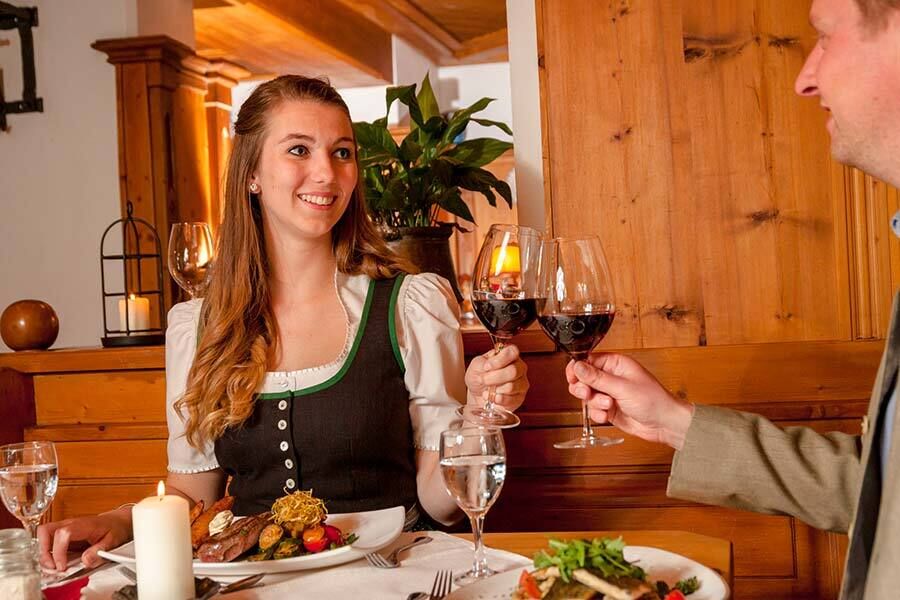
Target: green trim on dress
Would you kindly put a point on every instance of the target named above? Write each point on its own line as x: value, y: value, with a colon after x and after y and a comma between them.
x: 346, y: 366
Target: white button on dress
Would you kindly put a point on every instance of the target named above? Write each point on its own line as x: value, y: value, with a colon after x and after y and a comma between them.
x: 283, y: 446
x: 290, y: 484
x: 282, y: 425
x: 289, y: 464
x: 282, y: 404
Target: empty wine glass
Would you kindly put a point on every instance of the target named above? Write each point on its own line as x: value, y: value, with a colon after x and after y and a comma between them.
x: 190, y: 256
x: 576, y: 309
x: 504, y: 292
x: 473, y: 464
x: 28, y: 480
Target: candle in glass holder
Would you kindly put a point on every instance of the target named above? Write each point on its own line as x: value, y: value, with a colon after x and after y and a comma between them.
x: 138, y: 312
x: 162, y: 547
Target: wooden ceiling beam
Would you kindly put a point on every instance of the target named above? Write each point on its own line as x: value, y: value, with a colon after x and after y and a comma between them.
x: 395, y: 21
x: 348, y: 34
x: 494, y: 43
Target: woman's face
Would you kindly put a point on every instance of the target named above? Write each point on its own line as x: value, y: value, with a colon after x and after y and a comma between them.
x: 307, y: 170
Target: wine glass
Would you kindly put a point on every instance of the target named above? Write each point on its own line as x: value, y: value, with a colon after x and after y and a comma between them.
x: 473, y: 464
x: 190, y: 256
x: 504, y: 293
x: 577, y: 308
x: 28, y: 479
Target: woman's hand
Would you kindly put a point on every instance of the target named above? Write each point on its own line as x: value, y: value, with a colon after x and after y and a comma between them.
x: 505, y: 371
x: 620, y: 391
x: 103, y: 532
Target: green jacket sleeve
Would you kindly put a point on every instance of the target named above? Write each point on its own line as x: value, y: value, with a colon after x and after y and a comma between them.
x: 744, y: 461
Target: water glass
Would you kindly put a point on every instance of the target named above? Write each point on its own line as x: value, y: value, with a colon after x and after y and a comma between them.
x: 28, y: 480
x: 473, y: 464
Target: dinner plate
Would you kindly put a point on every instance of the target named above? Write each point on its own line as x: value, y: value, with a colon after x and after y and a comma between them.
x: 376, y: 529
x: 658, y: 564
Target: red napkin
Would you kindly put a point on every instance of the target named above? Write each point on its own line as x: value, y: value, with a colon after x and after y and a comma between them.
x: 71, y: 590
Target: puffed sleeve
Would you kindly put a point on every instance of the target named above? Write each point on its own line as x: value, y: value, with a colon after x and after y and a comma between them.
x: 181, y: 344
x: 430, y: 342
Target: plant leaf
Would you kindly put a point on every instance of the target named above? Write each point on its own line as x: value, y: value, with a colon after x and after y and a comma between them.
x: 406, y: 94
x: 427, y: 102
x: 460, y: 119
x: 410, y: 150
x: 452, y: 202
x: 478, y: 152
x: 489, y: 123
x: 376, y: 146
x: 393, y: 197
x: 480, y: 180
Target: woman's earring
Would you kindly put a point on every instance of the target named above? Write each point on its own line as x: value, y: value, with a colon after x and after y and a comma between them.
x: 254, y: 188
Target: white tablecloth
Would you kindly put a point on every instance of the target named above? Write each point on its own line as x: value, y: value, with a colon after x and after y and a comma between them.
x: 351, y: 580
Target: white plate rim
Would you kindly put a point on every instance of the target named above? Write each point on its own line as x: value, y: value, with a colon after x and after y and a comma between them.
x: 344, y: 554
x: 510, y: 578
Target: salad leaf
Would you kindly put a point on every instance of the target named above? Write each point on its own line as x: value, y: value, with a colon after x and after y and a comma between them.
x: 600, y: 554
x: 688, y: 586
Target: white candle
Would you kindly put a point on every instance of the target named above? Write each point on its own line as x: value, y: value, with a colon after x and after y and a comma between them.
x: 162, y: 547
x: 138, y: 313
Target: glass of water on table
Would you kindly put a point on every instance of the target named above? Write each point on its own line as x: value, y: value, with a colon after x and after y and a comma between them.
x: 28, y: 480
x: 473, y: 464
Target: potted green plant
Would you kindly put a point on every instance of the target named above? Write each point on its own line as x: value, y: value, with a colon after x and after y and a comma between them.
x: 407, y: 184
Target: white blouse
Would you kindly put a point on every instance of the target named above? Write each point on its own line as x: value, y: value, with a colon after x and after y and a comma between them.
x: 428, y: 334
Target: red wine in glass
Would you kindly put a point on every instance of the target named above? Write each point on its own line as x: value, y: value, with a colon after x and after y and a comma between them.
x: 576, y: 334
x: 504, y: 297
x: 576, y: 309
x: 504, y: 318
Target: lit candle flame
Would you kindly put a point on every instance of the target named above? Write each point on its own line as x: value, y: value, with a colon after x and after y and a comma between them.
x: 132, y: 296
x: 505, y: 259
x: 160, y: 490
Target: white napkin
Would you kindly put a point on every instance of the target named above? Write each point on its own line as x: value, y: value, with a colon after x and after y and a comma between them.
x: 356, y: 579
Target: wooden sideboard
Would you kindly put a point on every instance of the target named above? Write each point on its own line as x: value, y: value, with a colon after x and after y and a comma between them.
x: 105, y: 410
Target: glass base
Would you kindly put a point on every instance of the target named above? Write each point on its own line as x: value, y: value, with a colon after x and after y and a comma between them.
x: 589, y: 442
x: 471, y: 576
x: 498, y: 416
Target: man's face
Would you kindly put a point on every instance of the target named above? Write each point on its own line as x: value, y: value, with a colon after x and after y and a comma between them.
x: 855, y: 70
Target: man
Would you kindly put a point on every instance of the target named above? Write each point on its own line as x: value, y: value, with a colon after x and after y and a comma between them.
x: 836, y: 482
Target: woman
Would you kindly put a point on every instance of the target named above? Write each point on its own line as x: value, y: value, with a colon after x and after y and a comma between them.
x: 314, y: 361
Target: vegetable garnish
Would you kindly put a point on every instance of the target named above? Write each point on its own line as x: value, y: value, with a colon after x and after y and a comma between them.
x: 601, y: 554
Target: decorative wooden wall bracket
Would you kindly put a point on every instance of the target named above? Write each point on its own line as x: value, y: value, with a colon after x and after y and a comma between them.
x: 23, y: 19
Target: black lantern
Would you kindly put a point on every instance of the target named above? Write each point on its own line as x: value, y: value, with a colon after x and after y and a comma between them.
x: 141, y: 296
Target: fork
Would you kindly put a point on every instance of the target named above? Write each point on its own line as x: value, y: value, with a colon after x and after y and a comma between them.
x: 390, y: 561
x: 442, y: 583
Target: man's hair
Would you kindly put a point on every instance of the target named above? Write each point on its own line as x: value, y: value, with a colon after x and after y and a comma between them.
x: 875, y: 12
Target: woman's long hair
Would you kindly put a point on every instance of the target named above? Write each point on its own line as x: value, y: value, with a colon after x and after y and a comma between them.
x: 238, y: 334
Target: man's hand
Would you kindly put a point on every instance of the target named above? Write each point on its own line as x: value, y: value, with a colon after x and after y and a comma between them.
x: 620, y: 391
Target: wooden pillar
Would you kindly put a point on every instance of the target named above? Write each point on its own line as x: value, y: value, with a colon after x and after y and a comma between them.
x: 221, y: 76
x: 168, y: 168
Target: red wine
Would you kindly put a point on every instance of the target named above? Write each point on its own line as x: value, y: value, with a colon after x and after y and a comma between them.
x: 577, y: 333
x: 505, y: 318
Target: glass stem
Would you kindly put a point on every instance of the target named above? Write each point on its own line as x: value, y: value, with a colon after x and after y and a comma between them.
x: 492, y: 390
x: 479, y: 565
x: 31, y: 526
x: 587, y: 431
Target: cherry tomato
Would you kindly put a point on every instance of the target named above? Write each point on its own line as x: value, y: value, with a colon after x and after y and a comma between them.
x: 674, y: 595
x: 333, y: 534
x: 313, y: 534
x: 316, y: 545
x: 529, y: 585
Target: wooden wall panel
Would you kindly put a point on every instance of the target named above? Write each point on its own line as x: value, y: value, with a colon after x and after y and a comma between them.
x: 674, y: 133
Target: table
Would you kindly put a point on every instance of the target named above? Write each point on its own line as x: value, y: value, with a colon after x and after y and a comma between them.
x: 452, y: 552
